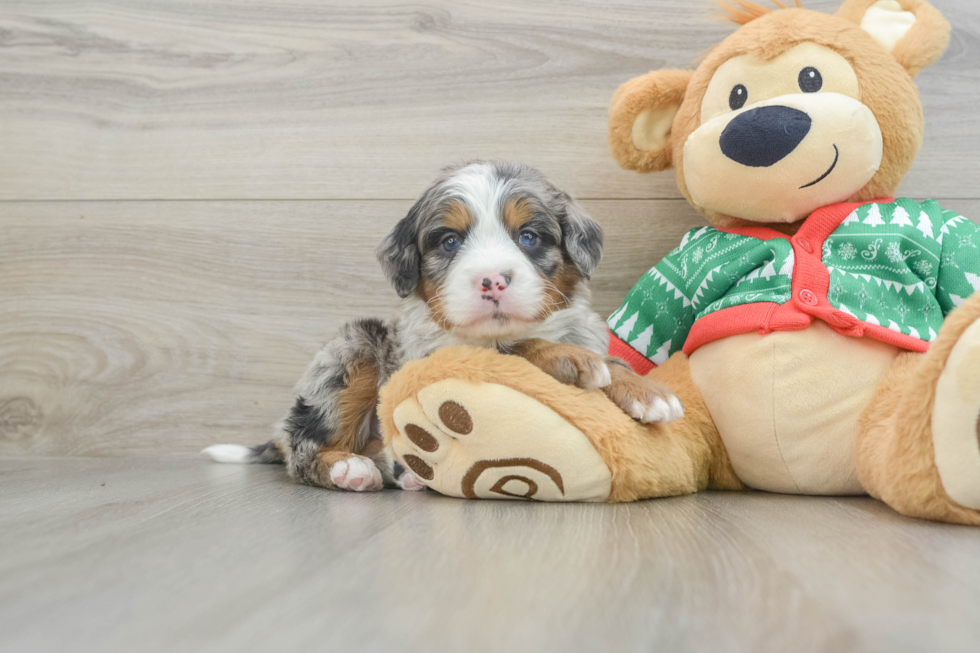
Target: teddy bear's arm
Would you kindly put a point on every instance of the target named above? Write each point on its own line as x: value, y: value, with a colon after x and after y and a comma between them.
x: 959, y: 266
x: 658, y: 312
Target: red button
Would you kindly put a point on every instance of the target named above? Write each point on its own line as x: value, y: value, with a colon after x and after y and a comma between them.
x: 805, y: 244
x: 809, y: 297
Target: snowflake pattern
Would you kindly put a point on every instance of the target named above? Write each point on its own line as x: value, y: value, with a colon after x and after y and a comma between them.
x: 922, y: 267
x: 897, y: 288
x: 847, y: 252
x: 902, y: 309
x: 894, y: 252
x: 864, y: 296
x: 836, y: 290
x: 896, y: 255
x: 926, y: 310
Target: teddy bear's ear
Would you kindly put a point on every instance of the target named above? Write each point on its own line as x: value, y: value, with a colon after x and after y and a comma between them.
x: 641, y: 118
x: 913, y: 31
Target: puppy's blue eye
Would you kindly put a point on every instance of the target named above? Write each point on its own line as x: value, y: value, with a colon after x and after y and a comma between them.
x: 451, y: 243
x: 527, y: 239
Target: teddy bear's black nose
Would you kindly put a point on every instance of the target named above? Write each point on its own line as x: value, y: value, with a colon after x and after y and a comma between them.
x: 765, y: 136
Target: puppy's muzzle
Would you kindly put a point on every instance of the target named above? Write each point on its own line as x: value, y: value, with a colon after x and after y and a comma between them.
x: 493, y: 286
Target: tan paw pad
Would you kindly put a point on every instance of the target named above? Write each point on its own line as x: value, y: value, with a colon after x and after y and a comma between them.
x: 419, y: 466
x: 455, y: 417
x: 421, y: 438
x: 956, y: 421
x: 482, y: 440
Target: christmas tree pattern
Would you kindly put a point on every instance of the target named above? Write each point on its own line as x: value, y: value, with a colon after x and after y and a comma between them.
x: 903, y: 266
x: 710, y: 271
x: 886, y: 264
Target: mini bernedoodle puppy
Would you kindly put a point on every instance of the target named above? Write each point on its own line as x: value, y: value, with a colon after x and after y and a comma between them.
x: 491, y: 255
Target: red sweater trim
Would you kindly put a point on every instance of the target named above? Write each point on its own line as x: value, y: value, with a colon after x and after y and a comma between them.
x: 811, y: 284
x: 823, y: 222
x: 640, y: 363
x: 766, y: 318
x: 736, y: 320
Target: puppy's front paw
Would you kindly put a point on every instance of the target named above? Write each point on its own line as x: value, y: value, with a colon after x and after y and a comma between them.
x: 642, y: 398
x: 356, y: 474
x: 575, y: 366
x: 656, y: 410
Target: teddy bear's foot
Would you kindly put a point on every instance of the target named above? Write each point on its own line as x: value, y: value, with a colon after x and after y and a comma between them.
x: 475, y: 440
x: 956, y: 421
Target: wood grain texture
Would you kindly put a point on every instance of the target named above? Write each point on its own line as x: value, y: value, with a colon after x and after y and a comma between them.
x: 367, y: 99
x: 149, y: 555
x: 158, y: 328
x: 161, y: 327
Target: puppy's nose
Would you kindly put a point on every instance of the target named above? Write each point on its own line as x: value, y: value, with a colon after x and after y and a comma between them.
x: 763, y: 137
x: 492, y: 286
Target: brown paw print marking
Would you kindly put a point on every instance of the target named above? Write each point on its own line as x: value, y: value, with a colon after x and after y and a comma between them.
x: 422, y: 438
x: 474, y: 472
x: 455, y: 418
x: 419, y: 466
x: 532, y: 487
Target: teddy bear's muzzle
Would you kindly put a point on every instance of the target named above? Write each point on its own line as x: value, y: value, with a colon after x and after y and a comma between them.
x: 781, y: 159
x: 762, y: 137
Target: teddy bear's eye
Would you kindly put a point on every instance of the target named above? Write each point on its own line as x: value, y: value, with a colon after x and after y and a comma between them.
x: 810, y: 80
x: 739, y: 96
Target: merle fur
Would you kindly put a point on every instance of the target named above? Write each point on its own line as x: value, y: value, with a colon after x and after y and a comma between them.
x: 566, y: 229
x: 312, y: 423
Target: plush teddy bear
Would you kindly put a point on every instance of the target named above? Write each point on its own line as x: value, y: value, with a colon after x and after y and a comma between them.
x: 823, y: 335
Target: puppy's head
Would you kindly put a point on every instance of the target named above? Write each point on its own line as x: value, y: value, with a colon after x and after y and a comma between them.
x: 492, y: 249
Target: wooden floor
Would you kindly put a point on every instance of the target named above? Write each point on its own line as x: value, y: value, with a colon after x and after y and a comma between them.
x: 191, y: 192
x: 130, y: 554
x: 190, y: 197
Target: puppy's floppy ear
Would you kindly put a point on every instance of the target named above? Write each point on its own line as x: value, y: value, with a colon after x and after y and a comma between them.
x: 399, y: 253
x: 641, y: 118
x: 913, y: 31
x: 581, y: 235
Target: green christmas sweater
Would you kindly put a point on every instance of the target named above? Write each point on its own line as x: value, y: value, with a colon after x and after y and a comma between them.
x: 890, y: 270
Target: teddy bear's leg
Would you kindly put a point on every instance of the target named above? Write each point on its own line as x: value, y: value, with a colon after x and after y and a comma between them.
x: 474, y: 423
x: 918, y: 447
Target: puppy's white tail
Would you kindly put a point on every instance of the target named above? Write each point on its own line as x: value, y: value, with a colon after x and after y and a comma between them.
x: 267, y: 453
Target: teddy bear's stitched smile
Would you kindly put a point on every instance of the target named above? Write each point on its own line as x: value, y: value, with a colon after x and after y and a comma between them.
x: 826, y: 174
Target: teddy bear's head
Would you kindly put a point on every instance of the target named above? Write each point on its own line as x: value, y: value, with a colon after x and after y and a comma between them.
x: 794, y: 111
